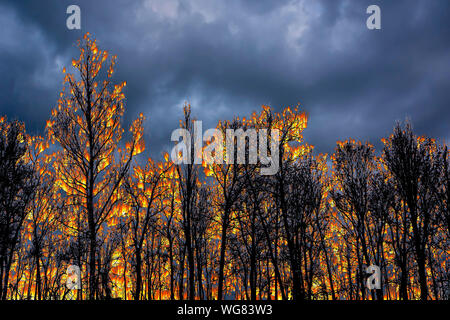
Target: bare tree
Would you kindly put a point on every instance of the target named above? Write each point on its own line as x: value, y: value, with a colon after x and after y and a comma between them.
x: 352, y: 169
x: 226, y: 179
x: 86, y: 124
x: 409, y: 159
x: 17, y: 184
x: 143, y: 190
x: 187, y: 175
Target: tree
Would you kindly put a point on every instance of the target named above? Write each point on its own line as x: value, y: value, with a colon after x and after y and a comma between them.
x: 143, y: 191
x: 226, y: 179
x: 202, y: 220
x: 17, y: 184
x: 305, y: 179
x: 187, y: 175
x: 41, y: 221
x: 443, y: 188
x: 353, y: 170
x: 290, y: 124
x: 410, y: 160
x: 87, y: 125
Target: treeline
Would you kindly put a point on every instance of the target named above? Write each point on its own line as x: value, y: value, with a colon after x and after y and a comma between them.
x: 159, y: 230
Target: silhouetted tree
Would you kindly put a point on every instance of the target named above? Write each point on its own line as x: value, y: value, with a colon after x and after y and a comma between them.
x: 410, y: 160
x: 17, y: 187
x: 86, y: 124
x: 187, y: 175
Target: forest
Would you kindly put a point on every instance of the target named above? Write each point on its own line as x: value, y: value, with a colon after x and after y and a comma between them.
x: 148, y: 229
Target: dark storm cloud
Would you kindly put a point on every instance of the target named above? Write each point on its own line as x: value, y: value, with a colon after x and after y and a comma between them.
x: 229, y: 57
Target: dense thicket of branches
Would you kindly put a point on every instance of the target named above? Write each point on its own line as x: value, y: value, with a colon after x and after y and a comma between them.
x: 159, y: 230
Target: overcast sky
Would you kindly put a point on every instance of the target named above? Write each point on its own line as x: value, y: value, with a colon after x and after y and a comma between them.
x: 229, y: 57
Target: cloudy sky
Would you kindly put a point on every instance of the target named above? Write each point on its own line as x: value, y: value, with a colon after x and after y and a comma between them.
x: 229, y: 57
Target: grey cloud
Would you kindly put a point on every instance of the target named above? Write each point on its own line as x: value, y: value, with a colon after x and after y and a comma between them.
x: 229, y: 58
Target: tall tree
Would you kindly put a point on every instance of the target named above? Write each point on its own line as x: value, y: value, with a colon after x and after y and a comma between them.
x: 187, y: 175
x: 226, y: 179
x: 143, y: 188
x: 290, y: 123
x: 353, y: 169
x: 410, y: 160
x: 17, y: 184
x: 87, y: 125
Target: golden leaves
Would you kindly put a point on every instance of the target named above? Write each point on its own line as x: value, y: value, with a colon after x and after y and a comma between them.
x: 166, y: 157
x: 49, y: 124
x: 140, y: 147
x: 208, y: 172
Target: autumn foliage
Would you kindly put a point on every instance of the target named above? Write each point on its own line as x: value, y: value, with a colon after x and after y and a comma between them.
x: 152, y: 229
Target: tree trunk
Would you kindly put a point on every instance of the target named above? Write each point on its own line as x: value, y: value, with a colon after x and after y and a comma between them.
x: 223, y: 244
